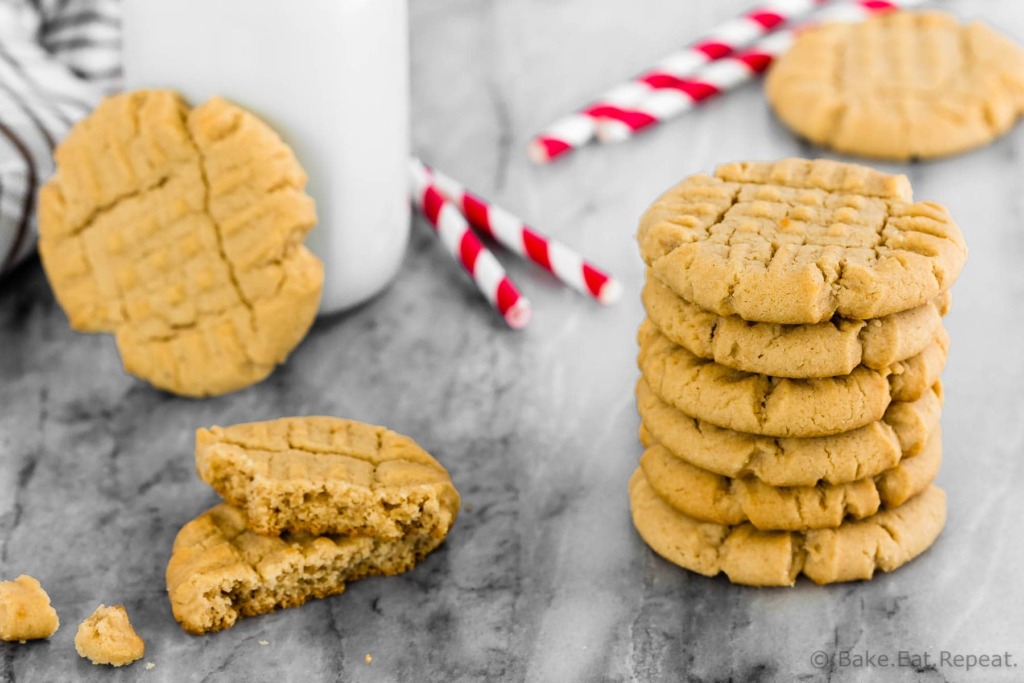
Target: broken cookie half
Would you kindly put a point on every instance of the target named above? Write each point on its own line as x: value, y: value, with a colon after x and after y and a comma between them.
x: 327, y: 475
x: 220, y: 570
x: 313, y: 503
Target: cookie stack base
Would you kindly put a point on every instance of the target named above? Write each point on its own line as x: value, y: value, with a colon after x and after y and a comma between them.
x: 850, y: 552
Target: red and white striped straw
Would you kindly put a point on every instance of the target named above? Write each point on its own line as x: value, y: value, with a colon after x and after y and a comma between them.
x: 669, y: 97
x: 460, y: 241
x: 564, y: 263
x: 579, y: 128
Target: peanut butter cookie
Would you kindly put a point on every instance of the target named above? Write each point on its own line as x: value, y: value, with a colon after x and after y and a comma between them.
x: 710, y: 497
x: 798, y: 242
x: 326, y: 475
x: 864, y: 452
x: 852, y: 551
x: 824, y: 349
x: 759, y: 404
x: 220, y: 570
x: 900, y: 86
x: 180, y: 231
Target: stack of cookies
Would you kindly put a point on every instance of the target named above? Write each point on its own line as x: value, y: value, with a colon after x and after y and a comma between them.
x: 312, y: 503
x: 790, y: 362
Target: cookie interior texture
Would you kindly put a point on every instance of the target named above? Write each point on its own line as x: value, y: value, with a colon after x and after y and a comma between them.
x: 180, y: 231
x: 327, y: 475
x: 824, y: 349
x: 798, y: 242
x: 849, y: 456
x: 850, y: 552
x: 900, y: 86
x: 220, y: 570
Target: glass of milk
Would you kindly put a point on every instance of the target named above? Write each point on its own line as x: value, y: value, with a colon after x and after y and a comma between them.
x: 332, y: 77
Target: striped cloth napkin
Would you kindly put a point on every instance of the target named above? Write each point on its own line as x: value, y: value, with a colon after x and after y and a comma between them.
x: 57, y: 59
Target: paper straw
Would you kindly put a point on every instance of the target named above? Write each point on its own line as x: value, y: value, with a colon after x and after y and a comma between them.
x: 563, y: 262
x: 466, y: 248
x: 577, y: 129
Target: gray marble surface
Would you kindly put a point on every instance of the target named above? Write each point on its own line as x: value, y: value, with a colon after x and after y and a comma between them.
x: 543, y: 577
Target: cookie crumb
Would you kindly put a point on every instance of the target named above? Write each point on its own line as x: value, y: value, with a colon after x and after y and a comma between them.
x: 264, y: 642
x: 150, y: 666
x: 107, y: 637
x: 468, y: 507
x: 368, y: 658
x: 25, y: 611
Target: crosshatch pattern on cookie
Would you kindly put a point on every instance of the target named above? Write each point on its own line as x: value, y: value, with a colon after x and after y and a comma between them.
x: 797, y: 242
x: 181, y: 232
x: 327, y: 475
x: 899, y: 86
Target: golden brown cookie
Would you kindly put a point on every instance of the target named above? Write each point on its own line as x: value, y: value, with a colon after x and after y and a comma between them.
x: 220, y: 570
x: 25, y: 611
x: 852, y: 551
x: 798, y: 242
x: 710, y: 497
x: 911, y: 379
x: 799, y: 351
x: 180, y: 231
x: 107, y: 637
x: 326, y: 475
x: 900, y: 86
x: 758, y: 404
x: 864, y: 452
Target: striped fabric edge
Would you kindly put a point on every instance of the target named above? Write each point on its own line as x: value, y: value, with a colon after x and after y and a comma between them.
x: 43, y: 93
x: 85, y: 36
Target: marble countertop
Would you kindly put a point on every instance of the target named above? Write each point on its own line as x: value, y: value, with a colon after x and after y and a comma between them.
x: 543, y: 577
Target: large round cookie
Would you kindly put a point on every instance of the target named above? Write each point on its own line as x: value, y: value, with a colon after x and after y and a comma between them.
x: 180, y: 231
x: 797, y: 242
x: 901, y: 86
x: 220, y: 569
x: 799, y: 351
x: 711, y: 497
x: 855, y: 550
x: 325, y: 475
x: 864, y: 452
x: 759, y: 404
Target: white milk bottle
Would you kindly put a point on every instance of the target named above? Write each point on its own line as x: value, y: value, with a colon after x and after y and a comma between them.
x: 332, y: 77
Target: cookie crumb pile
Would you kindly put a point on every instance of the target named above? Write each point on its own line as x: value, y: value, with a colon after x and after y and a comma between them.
x: 312, y: 503
x: 790, y: 361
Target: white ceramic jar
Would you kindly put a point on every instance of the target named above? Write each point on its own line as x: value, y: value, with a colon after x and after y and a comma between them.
x: 332, y: 77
